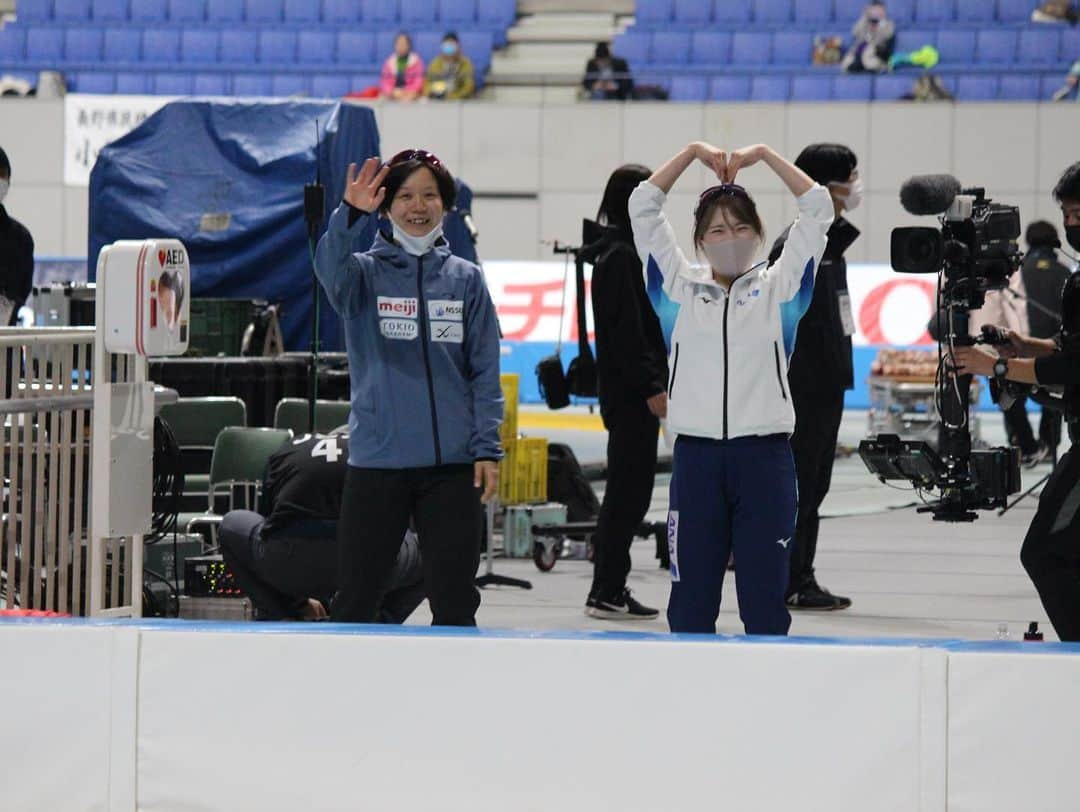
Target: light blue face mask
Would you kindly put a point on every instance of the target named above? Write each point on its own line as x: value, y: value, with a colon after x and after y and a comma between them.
x: 449, y: 48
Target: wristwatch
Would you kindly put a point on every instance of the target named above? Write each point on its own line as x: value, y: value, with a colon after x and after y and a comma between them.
x: 1001, y: 368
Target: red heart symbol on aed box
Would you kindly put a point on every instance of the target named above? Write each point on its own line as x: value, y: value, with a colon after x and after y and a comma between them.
x: 161, y: 258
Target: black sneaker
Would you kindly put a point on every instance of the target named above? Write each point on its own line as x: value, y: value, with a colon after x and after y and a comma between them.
x: 815, y: 598
x: 624, y: 607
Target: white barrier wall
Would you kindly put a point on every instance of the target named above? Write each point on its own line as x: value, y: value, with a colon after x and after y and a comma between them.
x: 537, y: 170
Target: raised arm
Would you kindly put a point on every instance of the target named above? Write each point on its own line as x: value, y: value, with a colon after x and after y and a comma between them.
x: 797, y: 181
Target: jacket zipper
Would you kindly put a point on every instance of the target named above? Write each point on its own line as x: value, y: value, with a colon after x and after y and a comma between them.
x: 727, y: 301
x: 422, y: 315
x: 674, y: 369
x: 779, y: 375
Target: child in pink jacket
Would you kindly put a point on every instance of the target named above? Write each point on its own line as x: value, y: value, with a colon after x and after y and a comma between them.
x: 402, y: 72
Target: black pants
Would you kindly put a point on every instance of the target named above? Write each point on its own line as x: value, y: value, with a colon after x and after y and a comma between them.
x: 1018, y: 428
x: 280, y: 572
x: 375, y: 509
x: 817, y: 425
x: 631, y: 473
x: 1051, y: 551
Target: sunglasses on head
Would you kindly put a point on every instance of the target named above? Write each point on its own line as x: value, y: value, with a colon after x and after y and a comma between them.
x: 422, y: 155
x: 722, y: 190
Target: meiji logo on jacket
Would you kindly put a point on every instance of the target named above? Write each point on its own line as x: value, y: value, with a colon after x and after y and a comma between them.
x: 451, y: 332
x: 400, y: 307
x: 400, y: 329
x: 446, y: 309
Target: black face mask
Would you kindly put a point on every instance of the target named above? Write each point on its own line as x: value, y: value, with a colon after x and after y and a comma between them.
x: 1072, y: 236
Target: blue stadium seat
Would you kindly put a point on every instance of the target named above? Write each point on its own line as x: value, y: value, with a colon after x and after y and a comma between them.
x: 330, y: 85
x: 846, y: 12
x: 380, y: 11
x: 108, y: 10
x: 500, y: 12
x: 426, y: 43
x: 239, y: 45
x: 900, y: 11
x: 693, y: 12
x: 750, y: 48
x: 355, y: 47
x: 161, y: 45
x: 633, y: 46
x: 12, y: 43
x: 733, y: 11
x: 1019, y: 87
x: 200, y: 45
x: 263, y: 12
x: 137, y: 83
x: 457, y: 12
x: 35, y: 11
x: 71, y: 11
x: 911, y: 39
x: 362, y: 81
x: 315, y: 46
x: 956, y: 45
x: 211, y: 84
x: 1039, y: 46
x: 173, y: 84
x: 149, y: 11
x: 791, y: 48
x: 977, y: 87
x: 813, y: 11
x: 653, y: 12
x: 340, y: 11
x: 710, y: 47
x: 187, y: 11
x: 891, y: 87
x: 45, y: 45
x: 277, y: 46
x: 301, y: 11
x: 730, y: 88
x: 252, y: 84
x: 83, y: 44
x: 1015, y: 11
x: 122, y: 45
x: 770, y: 88
x: 811, y: 88
x: 1051, y: 83
x: 689, y: 88
x: 1070, y: 44
x: 418, y: 12
x: 670, y: 47
x: 975, y: 11
x: 850, y: 87
x: 94, y: 82
x: 934, y: 11
x: 478, y: 45
x: 289, y: 84
x: 997, y: 46
x: 772, y: 12
x: 225, y: 11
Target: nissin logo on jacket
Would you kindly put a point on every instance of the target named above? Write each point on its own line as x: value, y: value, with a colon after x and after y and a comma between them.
x: 400, y: 307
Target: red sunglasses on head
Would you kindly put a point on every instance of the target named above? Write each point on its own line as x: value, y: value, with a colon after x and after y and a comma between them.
x: 422, y: 155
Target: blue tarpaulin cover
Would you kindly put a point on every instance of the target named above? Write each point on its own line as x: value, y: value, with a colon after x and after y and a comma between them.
x: 227, y: 179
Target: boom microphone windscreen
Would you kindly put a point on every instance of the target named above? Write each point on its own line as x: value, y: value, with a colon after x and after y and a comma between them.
x: 929, y: 194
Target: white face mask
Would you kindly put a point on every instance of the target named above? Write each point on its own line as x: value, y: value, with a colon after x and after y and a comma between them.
x: 854, y: 195
x: 4, y: 186
x: 731, y: 258
x: 417, y: 246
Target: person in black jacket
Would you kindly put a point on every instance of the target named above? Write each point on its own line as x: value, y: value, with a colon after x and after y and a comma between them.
x: 16, y: 255
x: 632, y: 379
x: 820, y: 370
x: 607, y: 76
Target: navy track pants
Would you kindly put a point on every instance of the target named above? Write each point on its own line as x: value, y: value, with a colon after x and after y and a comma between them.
x: 727, y: 496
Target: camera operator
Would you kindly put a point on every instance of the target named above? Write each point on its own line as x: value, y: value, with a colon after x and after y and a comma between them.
x: 1051, y: 550
x: 287, y: 561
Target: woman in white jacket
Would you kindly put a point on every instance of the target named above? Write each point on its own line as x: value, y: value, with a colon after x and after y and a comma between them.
x: 733, y: 487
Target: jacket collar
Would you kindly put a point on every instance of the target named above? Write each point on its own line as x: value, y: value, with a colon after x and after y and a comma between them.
x: 841, y: 235
x: 4, y: 217
x: 388, y: 250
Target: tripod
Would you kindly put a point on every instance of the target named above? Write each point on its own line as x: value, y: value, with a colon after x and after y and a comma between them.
x: 1037, y: 486
x: 489, y: 577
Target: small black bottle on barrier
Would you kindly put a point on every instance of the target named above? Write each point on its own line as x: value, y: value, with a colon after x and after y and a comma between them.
x: 1033, y: 632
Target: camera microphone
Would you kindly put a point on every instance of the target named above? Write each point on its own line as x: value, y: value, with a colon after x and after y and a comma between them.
x: 929, y: 194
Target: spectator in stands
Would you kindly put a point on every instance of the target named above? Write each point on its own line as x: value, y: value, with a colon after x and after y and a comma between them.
x: 607, y: 76
x: 874, y: 37
x: 733, y: 486
x: 632, y: 372
x: 450, y: 74
x: 285, y: 556
x: 423, y: 343
x: 1056, y: 11
x: 1072, y: 81
x: 821, y: 371
x: 16, y: 255
x: 402, y: 72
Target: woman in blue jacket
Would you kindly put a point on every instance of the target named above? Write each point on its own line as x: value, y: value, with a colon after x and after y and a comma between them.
x: 423, y: 344
x: 733, y: 486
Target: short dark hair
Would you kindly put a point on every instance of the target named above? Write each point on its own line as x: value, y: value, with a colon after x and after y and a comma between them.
x: 1042, y: 234
x: 401, y: 34
x: 603, y: 51
x: 741, y: 206
x: 827, y: 163
x: 1068, y: 186
x: 614, y: 207
x: 451, y: 35
x: 400, y: 172
x: 5, y: 164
